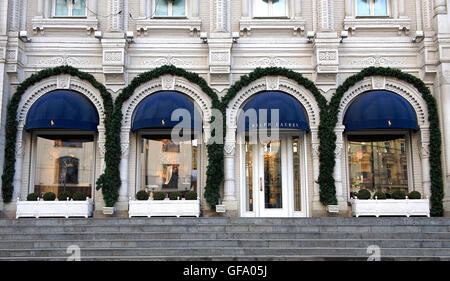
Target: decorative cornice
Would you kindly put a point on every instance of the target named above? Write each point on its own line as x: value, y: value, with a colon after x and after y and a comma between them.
x: 377, y: 61
x: 269, y: 61
x: 168, y: 60
x: 63, y: 60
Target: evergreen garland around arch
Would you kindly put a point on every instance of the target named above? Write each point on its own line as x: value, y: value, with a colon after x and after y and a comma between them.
x: 327, y: 189
x: 328, y: 139
x: 214, y: 172
x: 11, y: 121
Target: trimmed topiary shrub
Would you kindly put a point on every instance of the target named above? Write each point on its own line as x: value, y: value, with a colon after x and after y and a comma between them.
x: 49, y: 196
x: 191, y: 195
x: 388, y: 195
x: 63, y: 195
x: 159, y: 195
x: 364, y: 194
x: 142, y: 195
x: 414, y: 195
x: 174, y: 195
x: 32, y: 197
x: 398, y: 194
x: 79, y: 196
x: 380, y: 195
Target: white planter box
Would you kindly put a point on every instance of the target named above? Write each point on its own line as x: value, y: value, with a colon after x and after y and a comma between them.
x: 153, y: 208
x: 108, y: 210
x: 391, y: 207
x: 55, y: 208
x: 333, y: 208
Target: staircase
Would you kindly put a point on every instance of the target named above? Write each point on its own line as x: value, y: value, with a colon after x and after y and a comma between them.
x: 254, y: 239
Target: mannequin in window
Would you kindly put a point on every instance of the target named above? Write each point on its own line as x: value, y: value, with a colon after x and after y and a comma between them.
x: 171, y: 180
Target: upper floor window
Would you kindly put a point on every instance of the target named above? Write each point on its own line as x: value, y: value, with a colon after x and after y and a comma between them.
x: 70, y: 8
x: 372, y: 7
x: 170, y: 8
x: 269, y: 8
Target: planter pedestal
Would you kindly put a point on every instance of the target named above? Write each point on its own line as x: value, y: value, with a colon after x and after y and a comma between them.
x: 108, y: 210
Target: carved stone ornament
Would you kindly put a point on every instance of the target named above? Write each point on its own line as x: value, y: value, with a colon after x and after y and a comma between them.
x: 338, y: 150
x: 101, y: 149
x: 168, y: 82
x: 20, y: 149
x: 229, y: 148
x: 125, y: 149
x: 273, y: 83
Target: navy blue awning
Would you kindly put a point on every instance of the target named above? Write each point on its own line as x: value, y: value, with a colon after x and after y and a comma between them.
x: 62, y: 109
x: 155, y: 111
x: 380, y: 110
x: 291, y: 112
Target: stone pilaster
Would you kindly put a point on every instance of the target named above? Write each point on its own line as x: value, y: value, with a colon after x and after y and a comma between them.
x: 339, y: 154
x: 220, y: 43
x: 114, y: 51
x: 230, y: 198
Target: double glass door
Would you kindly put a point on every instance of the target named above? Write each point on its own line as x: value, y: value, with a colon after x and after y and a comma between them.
x: 274, y: 178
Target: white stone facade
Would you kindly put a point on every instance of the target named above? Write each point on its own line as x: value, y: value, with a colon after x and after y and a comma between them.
x: 324, y: 40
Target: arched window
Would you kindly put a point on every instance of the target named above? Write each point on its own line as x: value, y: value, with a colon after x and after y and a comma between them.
x: 378, y: 125
x: 166, y: 163
x: 63, y: 125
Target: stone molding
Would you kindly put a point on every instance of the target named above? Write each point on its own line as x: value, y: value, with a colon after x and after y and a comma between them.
x: 166, y: 82
x: 401, y: 88
x: 280, y: 83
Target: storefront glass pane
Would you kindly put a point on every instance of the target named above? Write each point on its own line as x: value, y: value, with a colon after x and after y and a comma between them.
x: 168, y: 166
x: 64, y: 163
x: 272, y: 175
x: 249, y: 176
x: 378, y: 165
x: 296, y: 170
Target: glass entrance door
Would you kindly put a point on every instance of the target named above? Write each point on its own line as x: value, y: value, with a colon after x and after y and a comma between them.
x: 274, y: 178
x: 272, y: 187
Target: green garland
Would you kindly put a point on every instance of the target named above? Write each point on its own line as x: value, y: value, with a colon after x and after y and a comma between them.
x: 328, y: 139
x: 214, y: 172
x: 327, y: 191
x: 11, y: 122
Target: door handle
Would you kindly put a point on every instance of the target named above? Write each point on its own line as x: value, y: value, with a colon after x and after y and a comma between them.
x: 260, y: 184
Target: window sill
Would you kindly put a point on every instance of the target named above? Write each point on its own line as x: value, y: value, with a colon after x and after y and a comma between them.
x: 143, y: 25
x: 377, y: 23
x: 296, y: 25
x: 65, y: 23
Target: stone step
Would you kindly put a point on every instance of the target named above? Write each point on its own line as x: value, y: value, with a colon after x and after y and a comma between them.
x: 368, y: 221
x: 233, y: 258
x: 218, y: 235
x: 218, y: 251
x: 227, y: 243
x: 225, y: 228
